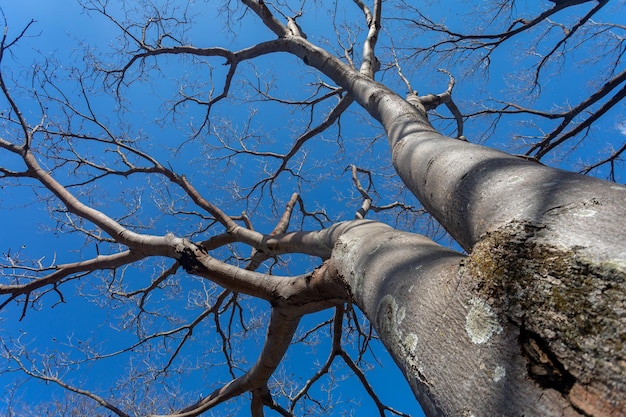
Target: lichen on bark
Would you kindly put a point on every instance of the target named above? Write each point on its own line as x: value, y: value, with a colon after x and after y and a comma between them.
x: 573, y: 305
x: 481, y: 323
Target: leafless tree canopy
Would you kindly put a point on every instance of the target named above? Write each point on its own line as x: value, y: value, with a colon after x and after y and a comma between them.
x: 184, y: 179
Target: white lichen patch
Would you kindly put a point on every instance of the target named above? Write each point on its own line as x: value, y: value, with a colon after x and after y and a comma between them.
x: 411, y: 342
x: 400, y: 316
x: 481, y: 322
x: 344, y: 247
x: 389, y: 317
x: 499, y: 373
x: 346, y: 254
x: 585, y: 213
x: 514, y: 179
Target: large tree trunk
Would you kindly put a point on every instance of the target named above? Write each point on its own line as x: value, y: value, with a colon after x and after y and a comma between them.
x: 546, y: 271
x: 514, y: 329
x: 548, y: 254
x: 533, y: 322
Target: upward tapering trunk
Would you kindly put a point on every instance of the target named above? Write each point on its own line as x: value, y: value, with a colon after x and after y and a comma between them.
x: 548, y: 250
x: 533, y: 322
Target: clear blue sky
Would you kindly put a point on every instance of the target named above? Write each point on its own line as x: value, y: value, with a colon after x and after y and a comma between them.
x: 25, y: 231
x: 52, y: 327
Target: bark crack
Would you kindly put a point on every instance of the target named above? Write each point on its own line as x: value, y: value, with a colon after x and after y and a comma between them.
x: 543, y: 365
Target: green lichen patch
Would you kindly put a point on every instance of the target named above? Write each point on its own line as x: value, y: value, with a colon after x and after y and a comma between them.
x: 576, y: 306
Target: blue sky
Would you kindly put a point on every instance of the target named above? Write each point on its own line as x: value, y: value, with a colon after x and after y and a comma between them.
x: 53, y: 326
x: 27, y: 231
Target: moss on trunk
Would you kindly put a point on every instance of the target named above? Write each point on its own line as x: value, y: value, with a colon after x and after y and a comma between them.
x: 571, y: 312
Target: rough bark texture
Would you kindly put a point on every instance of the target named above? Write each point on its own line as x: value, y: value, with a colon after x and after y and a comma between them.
x: 571, y: 312
x: 547, y: 254
x: 476, y: 338
x: 554, y: 244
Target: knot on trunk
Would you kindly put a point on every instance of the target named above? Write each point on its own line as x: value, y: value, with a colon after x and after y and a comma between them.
x: 188, y: 256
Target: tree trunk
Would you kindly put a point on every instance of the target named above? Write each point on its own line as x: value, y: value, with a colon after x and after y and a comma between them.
x: 548, y: 254
x: 498, y: 333
x: 533, y: 322
x: 546, y: 271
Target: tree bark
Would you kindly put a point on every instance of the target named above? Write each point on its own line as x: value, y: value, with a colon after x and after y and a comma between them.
x: 548, y: 255
x: 533, y: 322
x: 468, y: 348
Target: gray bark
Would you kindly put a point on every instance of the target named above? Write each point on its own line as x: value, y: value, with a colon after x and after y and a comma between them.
x: 544, y: 283
x: 548, y: 254
x: 468, y: 348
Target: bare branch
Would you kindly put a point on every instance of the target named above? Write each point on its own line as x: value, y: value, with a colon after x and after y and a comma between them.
x: 279, y: 334
x: 370, y: 64
x: 62, y: 271
x: 569, y: 33
x: 49, y: 378
x: 544, y: 146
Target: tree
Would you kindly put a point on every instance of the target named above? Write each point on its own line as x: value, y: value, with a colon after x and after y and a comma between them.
x: 527, y: 318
